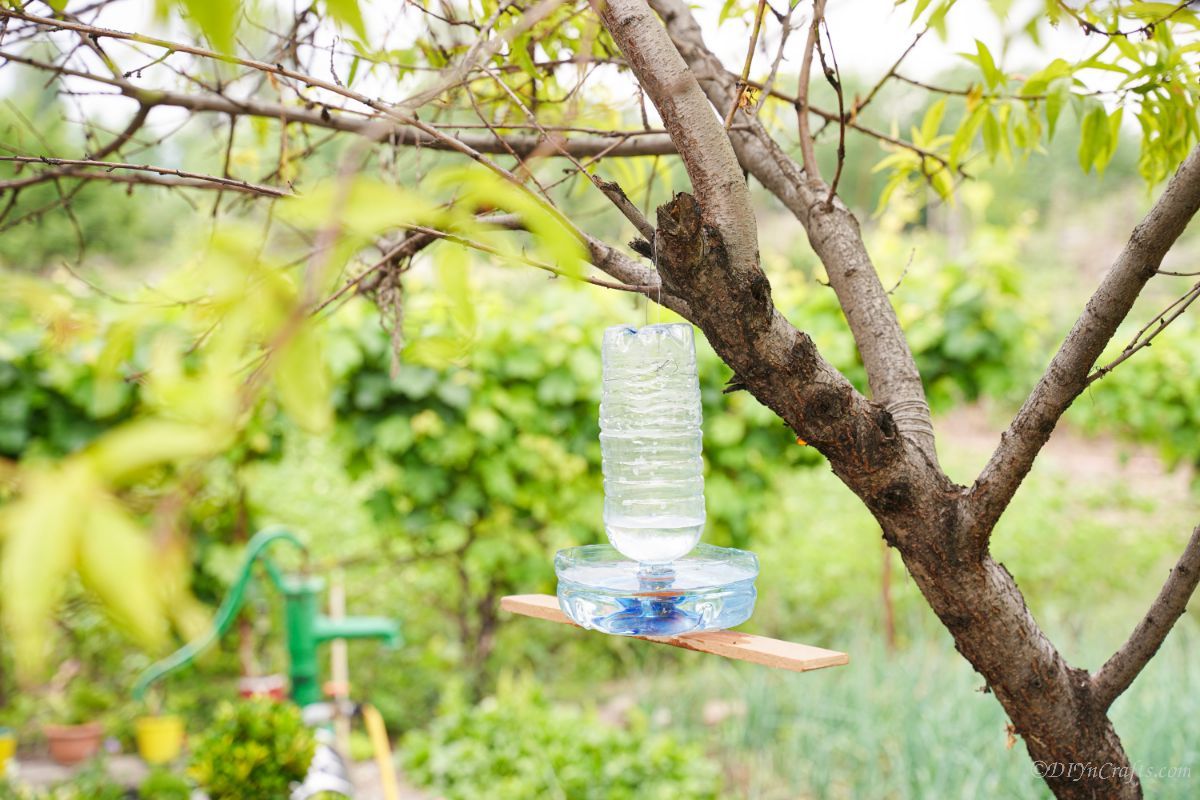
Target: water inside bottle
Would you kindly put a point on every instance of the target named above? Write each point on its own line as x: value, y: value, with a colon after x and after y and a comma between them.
x: 651, y: 442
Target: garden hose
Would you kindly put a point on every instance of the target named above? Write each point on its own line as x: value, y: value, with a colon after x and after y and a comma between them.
x: 255, y: 550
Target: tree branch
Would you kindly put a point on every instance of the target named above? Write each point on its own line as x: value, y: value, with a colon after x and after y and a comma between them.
x: 1067, y: 374
x: 758, y: 18
x: 833, y: 233
x: 119, y: 141
x: 619, y: 144
x: 701, y: 140
x: 71, y: 168
x: 702, y: 262
x: 1146, y: 335
x: 802, y: 109
x: 1127, y: 663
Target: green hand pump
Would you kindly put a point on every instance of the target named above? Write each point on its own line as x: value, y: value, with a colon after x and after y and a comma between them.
x: 307, y: 627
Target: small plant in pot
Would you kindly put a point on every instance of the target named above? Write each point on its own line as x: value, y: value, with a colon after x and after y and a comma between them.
x: 255, y: 750
x: 159, y: 735
x: 8, y: 743
x: 79, y: 733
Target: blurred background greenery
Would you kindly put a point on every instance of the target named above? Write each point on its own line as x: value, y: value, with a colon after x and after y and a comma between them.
x: 449, y: 479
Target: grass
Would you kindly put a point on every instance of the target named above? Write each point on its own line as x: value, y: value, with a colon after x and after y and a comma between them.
x: 909, y: 724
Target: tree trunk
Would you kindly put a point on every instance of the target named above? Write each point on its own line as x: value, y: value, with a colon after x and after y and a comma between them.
x: 922, y: 513
x: 1051, y: 704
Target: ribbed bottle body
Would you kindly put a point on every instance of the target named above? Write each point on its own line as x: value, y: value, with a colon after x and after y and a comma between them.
x: 651, y: 441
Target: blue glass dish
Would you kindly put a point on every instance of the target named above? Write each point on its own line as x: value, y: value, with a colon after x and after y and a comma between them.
x: 710, y: 588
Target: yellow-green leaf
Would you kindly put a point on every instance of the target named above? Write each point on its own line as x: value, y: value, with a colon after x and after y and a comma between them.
x: 135, y: 446
x: 302, y: 382
x: 933, y: 121
x: 40, y: 531
x: 348, y: 13
x: 453, y: 273
x: 1094, y: 137
x: 217, y: 19
x: 116, y: 563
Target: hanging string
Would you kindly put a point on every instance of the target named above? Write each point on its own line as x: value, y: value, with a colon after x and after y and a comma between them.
x: 658, y: 290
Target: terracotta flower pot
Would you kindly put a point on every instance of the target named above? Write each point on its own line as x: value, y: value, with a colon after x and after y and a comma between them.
x: 70, y: 744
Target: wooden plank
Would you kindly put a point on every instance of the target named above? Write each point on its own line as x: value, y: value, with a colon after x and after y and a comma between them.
x: 769, y: 652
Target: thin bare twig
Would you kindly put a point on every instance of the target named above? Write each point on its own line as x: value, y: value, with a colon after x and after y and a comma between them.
x: 1148, y: 29
x: 807, y: 150
x: 532, y: 262
x: 741, y: 92
x: 1143, y: 338
x: 17, y: 183
x: 785, y: 21
x: 834, y: 77
x: 611, y: 189
x: 854, y: 125
x: 859, y: 105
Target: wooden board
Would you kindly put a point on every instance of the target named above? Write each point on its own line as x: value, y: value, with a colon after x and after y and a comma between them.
x: 773, y: 653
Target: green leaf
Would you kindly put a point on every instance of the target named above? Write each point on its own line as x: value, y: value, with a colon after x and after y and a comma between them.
x: 302, y: 382
x: 453, y: 274
x: 920, y: 7
x: 1112, y: 140
x: 435, y: 351
x: 1056, y: 97
x: 116, y: 563
x: 135, y: 446
x: 477, y: 187
x: 937, y: 20
x: 941, y: 181
x: 991, y: 73
x: 993, y: 135
x: 347, y: 13
x: 1094, y: 137
x: 1039, y: 82
x: 933, y: 121
x: 966, y: 132
x: 39, y: 531
x: 216, y: 19
x: 367, y: 207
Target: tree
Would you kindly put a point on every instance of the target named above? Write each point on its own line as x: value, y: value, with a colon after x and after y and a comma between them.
x: 487, y: 84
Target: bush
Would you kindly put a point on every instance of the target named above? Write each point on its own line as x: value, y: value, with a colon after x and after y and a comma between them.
x: 162, y: 784
x: 516, y: 745
x: 255, y: 750
x: 1154, y: 397
x: 92, y: 782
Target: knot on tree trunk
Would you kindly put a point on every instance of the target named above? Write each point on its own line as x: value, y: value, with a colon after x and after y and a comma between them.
x: 730, y: 303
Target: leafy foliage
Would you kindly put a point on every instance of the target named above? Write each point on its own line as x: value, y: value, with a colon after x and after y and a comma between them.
x: 162, y: 784
x: 1142, y: 63
x: 254, y: 750
x: 517, y: 745
x: 1154, y: 398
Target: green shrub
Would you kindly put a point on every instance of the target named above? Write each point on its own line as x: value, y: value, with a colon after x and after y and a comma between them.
x: 255, y: 750
x: 162, y: 784
x: 1154, y: 397
x: 92, y: 782
x: 516, y: 745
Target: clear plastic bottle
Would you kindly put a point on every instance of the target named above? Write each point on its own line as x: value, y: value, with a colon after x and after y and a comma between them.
x: 651, y: 441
